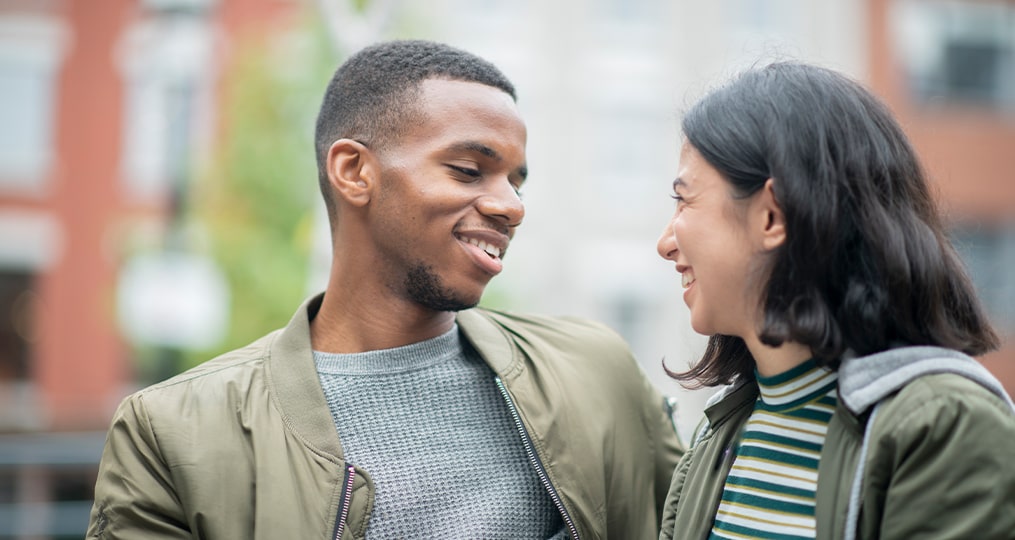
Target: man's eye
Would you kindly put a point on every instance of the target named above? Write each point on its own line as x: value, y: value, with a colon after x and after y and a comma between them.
x: 472, y: 173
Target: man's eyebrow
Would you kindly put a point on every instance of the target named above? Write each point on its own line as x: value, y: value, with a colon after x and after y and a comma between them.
x: 472, y: 146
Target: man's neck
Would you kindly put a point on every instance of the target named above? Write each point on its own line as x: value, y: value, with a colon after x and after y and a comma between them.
x: 354, y: 325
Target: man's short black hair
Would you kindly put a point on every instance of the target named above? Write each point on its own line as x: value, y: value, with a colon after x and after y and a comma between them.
x: 373, y: 96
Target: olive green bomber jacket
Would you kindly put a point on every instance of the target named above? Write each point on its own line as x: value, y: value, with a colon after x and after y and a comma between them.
x: 937, y: 463
x: 244, y: 446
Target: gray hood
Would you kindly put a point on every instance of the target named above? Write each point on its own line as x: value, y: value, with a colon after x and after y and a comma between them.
x: 864, y: 381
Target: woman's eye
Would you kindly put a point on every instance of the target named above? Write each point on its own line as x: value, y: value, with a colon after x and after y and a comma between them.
x: 679, y: 202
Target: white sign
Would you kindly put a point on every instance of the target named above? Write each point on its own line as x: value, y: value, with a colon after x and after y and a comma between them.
x: 174, y: 300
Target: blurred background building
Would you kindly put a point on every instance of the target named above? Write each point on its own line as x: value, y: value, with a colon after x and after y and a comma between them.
x: 151, y: 150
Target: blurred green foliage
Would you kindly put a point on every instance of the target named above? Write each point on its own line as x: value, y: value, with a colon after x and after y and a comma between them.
x: 255, y: 196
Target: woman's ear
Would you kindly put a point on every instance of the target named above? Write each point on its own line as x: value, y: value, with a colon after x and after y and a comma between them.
x: 352, y: 171
x: 773, y: 232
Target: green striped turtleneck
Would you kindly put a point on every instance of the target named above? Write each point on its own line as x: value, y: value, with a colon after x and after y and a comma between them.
x: 770, y: 490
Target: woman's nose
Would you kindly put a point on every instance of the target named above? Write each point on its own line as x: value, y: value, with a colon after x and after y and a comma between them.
x: 667, y: 244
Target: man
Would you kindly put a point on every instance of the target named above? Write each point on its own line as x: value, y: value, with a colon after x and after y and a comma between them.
x: 389, y: 407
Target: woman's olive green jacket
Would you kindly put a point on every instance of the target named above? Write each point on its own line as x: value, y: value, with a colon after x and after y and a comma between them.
x: 937, y: 456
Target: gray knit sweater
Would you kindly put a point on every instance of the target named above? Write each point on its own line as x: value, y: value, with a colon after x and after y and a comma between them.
x: 427, y: 423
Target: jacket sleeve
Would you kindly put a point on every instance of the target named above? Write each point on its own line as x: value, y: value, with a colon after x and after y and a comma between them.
x: 669, y: 506
x: 944, y: 469
x: 668, y: 452
x: 134, y: 494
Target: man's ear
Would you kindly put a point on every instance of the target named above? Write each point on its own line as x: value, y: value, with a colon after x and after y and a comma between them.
x: 352, y: 171
x: 773, y: 229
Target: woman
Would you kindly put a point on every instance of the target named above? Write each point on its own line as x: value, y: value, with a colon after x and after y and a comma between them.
x: 840, y: 319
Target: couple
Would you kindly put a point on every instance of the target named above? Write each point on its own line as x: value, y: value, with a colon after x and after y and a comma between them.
x: 809, y: 249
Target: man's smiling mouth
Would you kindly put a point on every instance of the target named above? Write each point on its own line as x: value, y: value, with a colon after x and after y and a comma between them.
x: 491, y: 250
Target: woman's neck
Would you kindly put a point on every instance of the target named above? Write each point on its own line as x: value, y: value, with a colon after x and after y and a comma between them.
x: 772, y: 361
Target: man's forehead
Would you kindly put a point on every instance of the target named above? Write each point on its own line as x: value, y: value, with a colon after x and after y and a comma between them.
x: 436, y: 86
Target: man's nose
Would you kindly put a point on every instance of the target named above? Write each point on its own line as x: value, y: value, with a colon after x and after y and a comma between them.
x: 503, y: 203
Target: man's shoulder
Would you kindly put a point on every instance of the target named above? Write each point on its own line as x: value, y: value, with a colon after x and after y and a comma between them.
x: 557, y: 329
x: 564, y: 344
x: 236, y: 368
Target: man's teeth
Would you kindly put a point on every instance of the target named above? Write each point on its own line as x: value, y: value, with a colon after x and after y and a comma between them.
x: 492, y: 251
x: 686, y: 279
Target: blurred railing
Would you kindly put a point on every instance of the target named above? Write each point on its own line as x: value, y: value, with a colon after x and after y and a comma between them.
x: 46, y: 483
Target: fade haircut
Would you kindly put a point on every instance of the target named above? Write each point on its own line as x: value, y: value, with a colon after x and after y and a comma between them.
x: 866, y: 264
x: 373, y: 97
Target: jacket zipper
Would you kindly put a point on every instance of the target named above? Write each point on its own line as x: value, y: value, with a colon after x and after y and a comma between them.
x: 530, y: 451
x: 345, y: 501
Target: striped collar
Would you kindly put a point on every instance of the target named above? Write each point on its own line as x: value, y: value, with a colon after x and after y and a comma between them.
x: 798, y: 385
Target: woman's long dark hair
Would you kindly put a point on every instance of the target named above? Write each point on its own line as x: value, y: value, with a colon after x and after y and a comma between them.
x: 866, y: 264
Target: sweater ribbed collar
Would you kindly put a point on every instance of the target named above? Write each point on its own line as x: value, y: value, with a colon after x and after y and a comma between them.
x: 407, y: 358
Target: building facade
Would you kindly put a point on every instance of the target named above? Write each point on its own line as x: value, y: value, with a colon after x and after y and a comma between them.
x: 99, y: 103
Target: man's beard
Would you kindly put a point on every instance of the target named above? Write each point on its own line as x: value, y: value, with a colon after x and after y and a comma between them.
x: 425, y: 288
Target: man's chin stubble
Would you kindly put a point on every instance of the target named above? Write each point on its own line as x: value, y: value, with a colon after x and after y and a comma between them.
x: 425, y: 288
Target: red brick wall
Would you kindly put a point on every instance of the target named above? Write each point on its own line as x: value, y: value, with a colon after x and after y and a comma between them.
x: 969, y: 154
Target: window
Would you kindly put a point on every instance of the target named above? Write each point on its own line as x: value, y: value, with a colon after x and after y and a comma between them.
x: 31, y: 49
x: 957, y: 52
x: 166, y: 72
x: 29, y: 244
x: 17, y: 301
x: 989, y: 254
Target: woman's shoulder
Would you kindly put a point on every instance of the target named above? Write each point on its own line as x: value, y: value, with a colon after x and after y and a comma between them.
x: 940, y: 403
